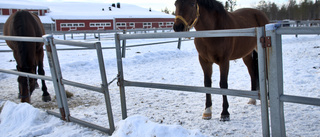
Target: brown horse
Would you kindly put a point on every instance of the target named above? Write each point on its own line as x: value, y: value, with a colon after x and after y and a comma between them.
x: 28, y: 55
x: 211, y: 15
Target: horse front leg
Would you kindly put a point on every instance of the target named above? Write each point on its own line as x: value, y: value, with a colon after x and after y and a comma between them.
x: 207, y: 70
x: 224, y: 70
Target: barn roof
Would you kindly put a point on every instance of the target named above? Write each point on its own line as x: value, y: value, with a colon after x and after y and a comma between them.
x: 84, y: 10
x: 14, y: 5
x: 81, y: 10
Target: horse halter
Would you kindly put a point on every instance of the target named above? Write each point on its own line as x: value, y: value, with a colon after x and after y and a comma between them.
x: 188, y: 27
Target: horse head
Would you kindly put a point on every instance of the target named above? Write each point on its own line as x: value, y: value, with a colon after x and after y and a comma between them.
x: 187, y: 15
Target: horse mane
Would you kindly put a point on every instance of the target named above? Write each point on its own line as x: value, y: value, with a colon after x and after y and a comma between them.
x: 212, y: 5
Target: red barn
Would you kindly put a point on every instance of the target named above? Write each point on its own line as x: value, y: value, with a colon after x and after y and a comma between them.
x: 80, y: 16
x: 103, y: 16
x: 8, y: 9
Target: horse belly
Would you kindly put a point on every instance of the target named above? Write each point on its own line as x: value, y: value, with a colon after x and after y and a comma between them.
x: 243, y: 46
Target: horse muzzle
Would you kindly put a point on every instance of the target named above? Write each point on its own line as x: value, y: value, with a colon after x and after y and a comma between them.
x: 179, y: 27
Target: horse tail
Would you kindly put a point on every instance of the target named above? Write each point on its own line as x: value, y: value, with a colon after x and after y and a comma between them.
x: 22, y: 25
x: 255, y: 66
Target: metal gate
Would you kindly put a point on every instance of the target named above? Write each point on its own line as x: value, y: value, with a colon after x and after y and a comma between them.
x: 275, y: 76
x: 59, y: 82
x: 250, y: 32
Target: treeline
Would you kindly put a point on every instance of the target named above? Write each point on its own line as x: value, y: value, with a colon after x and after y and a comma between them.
x: 305, y: 10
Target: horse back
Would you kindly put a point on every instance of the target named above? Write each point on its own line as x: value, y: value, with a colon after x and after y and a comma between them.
x: 247, y: 18
x: 24, y: 23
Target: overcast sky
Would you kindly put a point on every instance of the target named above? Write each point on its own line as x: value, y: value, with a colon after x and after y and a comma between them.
x: 162, y: 4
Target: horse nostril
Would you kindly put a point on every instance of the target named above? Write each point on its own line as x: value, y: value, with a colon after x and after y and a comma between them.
x: 179, y: 27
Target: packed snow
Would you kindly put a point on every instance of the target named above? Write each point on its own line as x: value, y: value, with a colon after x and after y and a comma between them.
x: 158, y: 112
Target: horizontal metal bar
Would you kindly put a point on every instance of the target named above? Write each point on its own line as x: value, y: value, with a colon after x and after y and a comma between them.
x: 155, y: 43
x: 5, y: 50
x: 106, y: 31
x: 298, y: 30
x: 19, y: 38
x: 75, y: 43
x: 231, y: 92
x: 300, y: 100
x: 26, y: 74
x: 81, y: 122
x: 90, y: 125
x: 56, y: 41
x: 80, y: 85
x: 250, y: 32
x: 137, y: 45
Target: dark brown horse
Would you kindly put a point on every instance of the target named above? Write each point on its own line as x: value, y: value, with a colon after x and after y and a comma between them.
x: 28, y: 55
x: 211, y: 15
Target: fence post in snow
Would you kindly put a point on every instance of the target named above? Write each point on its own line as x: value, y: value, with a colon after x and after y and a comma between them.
x: 120, y: 77
x: 263, y: 83
x: 179, y: 43
x: 124, y: 44
x: 57, y: 77
x: 104, y: 85
x: 275, y: 81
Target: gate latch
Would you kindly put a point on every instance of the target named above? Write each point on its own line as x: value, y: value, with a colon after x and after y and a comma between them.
x: 265, y: 41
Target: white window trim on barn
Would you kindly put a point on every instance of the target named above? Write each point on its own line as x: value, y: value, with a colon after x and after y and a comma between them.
x: 132, y: 24
x: 0, y: 11
x: 161, y: 24
x: 100, y: 24
x: 147, y: 24
x: 121, y: 24
x: 67, y: 25
x: 169, y: 23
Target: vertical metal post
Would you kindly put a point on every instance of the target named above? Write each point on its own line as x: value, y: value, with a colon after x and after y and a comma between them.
x: 121, y: 77
x: 99, y: 38
x: 57, y: 76
x: 53, y: 74
x: 104, y: 86
x: 179, y: 43
x: 64, y: 36
x: 124, y: 44
x: 275, y: 76
x: 262, y: 84
x: 85, y: 36
x: 71, y: 35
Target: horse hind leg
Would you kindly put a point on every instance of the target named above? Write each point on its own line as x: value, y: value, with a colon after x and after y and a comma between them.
x: 224, y: 70
x: 251, y: 61
x: 45, y: 96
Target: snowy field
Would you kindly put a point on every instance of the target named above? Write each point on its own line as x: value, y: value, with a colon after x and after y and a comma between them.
x: 155, y: 112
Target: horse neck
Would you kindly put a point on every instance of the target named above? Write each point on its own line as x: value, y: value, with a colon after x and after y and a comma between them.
x: 211, y: 20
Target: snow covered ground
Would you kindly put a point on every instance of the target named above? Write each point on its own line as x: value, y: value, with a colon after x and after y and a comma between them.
x: 157, y: 112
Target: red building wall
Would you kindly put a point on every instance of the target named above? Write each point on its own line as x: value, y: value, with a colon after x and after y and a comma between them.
x: 144, y: 23
x: 71, y: 25
x: 41, y: 12
x: 108, y: 24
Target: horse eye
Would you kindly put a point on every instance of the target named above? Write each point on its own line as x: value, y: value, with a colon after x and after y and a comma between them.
x: 193, y: 4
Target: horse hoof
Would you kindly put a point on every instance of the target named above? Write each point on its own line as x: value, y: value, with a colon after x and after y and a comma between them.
x: 46, y: 98
x: 224, y: 118
x: 252, y: 101
x: 207, y: 114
